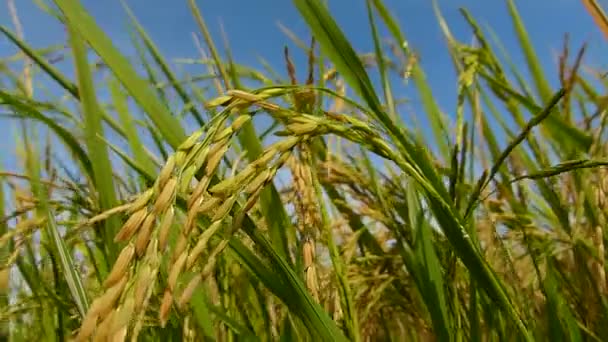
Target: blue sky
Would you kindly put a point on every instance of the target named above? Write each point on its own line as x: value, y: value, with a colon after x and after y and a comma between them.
x: 252, y: 29
x: 252, y: 25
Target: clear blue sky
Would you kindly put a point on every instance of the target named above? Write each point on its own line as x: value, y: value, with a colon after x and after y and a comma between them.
x: 252, y: 29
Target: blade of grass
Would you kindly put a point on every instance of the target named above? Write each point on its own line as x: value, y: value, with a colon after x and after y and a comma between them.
x: 85, y: 25
x: 559, y: 311
x: 386, y: 86
x: 543, y: 88
x: 430, y: 282
x: 49, y: 312
x: 41, y: 62
x: 150, y: 72
x: 102, y: 166
x: 66, y: 136
x: 153, y: 50
x: 69, y: 268
x: 119, y: 98
x: 241, y: 331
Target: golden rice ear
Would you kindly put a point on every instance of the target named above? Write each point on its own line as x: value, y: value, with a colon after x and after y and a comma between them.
x: 165, y: 308
x: 291, y: 70
x: 119, y: 270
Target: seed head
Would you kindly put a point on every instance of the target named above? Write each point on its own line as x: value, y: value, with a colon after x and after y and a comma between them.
x: 143, y: 283
x: 188, y: 291
x: 202, y: 243
x: 240, y: 121
x: 207, y: 206
x: 258, y: 181
x: 180, y: 246
x: 223, y: 134
x: 104, y: 304
x: 122, y: 316
x: 192, y: 139
x: 215, y: 156
x: 166, y: 196
x: 224, y: 209
x: 308, y: 253
x: 165, y: 226
x: 166, y: 171
x: 141, y: 201
x: 218, y: 101
x: 131, y: 226
x: 180, y: 158
x: 143, y: 236
x: 186, y: 178
x: 120, y: 266
x: 87, y: 327
x: 303, y: 128
x: 165, y: 307
x: 104, y: 328
x: 176, y: 270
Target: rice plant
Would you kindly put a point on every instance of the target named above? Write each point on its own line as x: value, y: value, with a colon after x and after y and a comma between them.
x: 294, y: 211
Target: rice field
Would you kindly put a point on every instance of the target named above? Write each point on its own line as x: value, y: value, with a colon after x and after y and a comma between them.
x: 302, y: 209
